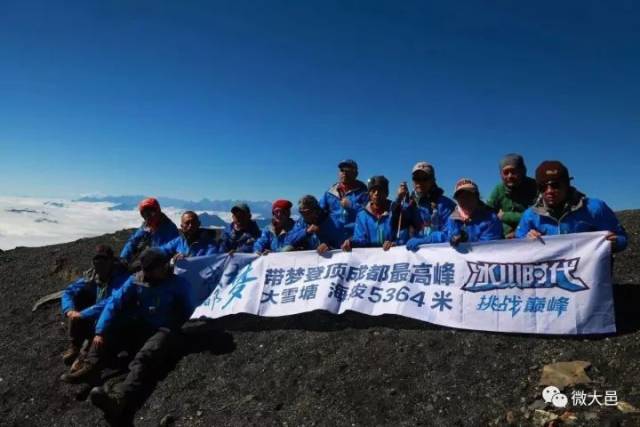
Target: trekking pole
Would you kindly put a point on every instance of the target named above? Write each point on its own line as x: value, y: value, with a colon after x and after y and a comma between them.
x: 402, y: 184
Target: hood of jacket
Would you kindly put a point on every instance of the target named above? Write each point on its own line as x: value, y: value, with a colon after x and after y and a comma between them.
x: 359, y: 186
x: 575, y: 201
x: 288, y: 226
x: 431, y: 197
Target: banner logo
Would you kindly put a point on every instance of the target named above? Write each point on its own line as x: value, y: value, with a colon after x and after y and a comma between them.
x: 487, y: 276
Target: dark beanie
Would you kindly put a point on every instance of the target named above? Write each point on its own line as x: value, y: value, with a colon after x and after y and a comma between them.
x: 378, y: 181
x: 551, y: 170
x: 308, y: 202
x: 513, y: 160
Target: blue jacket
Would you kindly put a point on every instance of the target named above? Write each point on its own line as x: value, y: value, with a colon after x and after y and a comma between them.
x: 483, y: 226
x: 371, y: 231
x: 205, y: 244
x: 331, y: 233
x: 97, y: 293
x: 167, y: 304
x: 428, y: 213
x: 345, y: 217
x: 275, y: 243
x: 240, y: 241
x: 580, y: 215
x: 143, y: 238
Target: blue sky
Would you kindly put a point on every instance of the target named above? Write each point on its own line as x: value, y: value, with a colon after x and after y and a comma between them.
x: 260, y: 100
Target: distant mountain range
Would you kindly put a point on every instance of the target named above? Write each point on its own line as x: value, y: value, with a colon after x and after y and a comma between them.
x: 124, y: 203
x: 213, y: 220
x: 261, y: 210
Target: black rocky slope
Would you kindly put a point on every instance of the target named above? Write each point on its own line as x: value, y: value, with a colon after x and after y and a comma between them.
x: 313, y: 369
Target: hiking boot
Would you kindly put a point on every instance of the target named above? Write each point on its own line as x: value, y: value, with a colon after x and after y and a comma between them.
x: 113, y: 406
x: 77, y: 365
x: 70, y: 354
x: 86, y: 372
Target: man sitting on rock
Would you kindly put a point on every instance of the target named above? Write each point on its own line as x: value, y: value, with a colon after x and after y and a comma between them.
x: 192, y: 241
x: 156, y: 230
x: 84, y: 299
x: 561, y: 209
x: 147, y: 312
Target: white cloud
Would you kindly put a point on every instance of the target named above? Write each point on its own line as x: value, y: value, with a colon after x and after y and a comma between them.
x: 66, y: 222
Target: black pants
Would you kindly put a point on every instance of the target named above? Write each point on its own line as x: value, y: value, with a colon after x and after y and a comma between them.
x: 153, y: 349
x: 80, y: 330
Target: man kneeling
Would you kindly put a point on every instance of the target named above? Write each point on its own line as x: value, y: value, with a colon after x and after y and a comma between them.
x: 147, y: 312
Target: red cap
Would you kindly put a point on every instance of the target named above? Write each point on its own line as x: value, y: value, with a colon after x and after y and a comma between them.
x: 149, y: 203
x: 281, y: 204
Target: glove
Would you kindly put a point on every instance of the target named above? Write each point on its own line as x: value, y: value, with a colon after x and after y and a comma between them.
x: 458, y: 238
x: 414, y: 244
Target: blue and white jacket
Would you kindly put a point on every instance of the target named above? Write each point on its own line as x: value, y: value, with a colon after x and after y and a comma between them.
x: 272, y: 241
x: 239, y: 240
x: 484, y: 225
x: 372, y: 231
x: 144, y: 238
x: 205, y: 244
x: 98, y: 293
x: 580, y: 214
x: 331, y: 233
x: 167, y: 304
x: 345, y: 217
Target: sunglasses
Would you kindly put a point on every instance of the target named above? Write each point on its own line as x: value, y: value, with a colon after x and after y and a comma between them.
x: 554, y: 185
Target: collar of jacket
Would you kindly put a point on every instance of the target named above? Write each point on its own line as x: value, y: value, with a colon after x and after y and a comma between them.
x: 163, y: 219
x: 199, y: 236
x: 91, y: 276
x: 359, y: 186
x: 575, y: 201
x: 431, y: 197
x: 386, y: 212
x: 287, y: 227
x: 248, y: 229
x: 481, y: 210
x: 509, y: 192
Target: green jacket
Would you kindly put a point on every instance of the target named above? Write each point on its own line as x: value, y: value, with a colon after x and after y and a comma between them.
x: 513, y: 202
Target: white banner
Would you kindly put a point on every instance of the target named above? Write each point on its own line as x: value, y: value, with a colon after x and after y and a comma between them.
x: 553, y: 285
